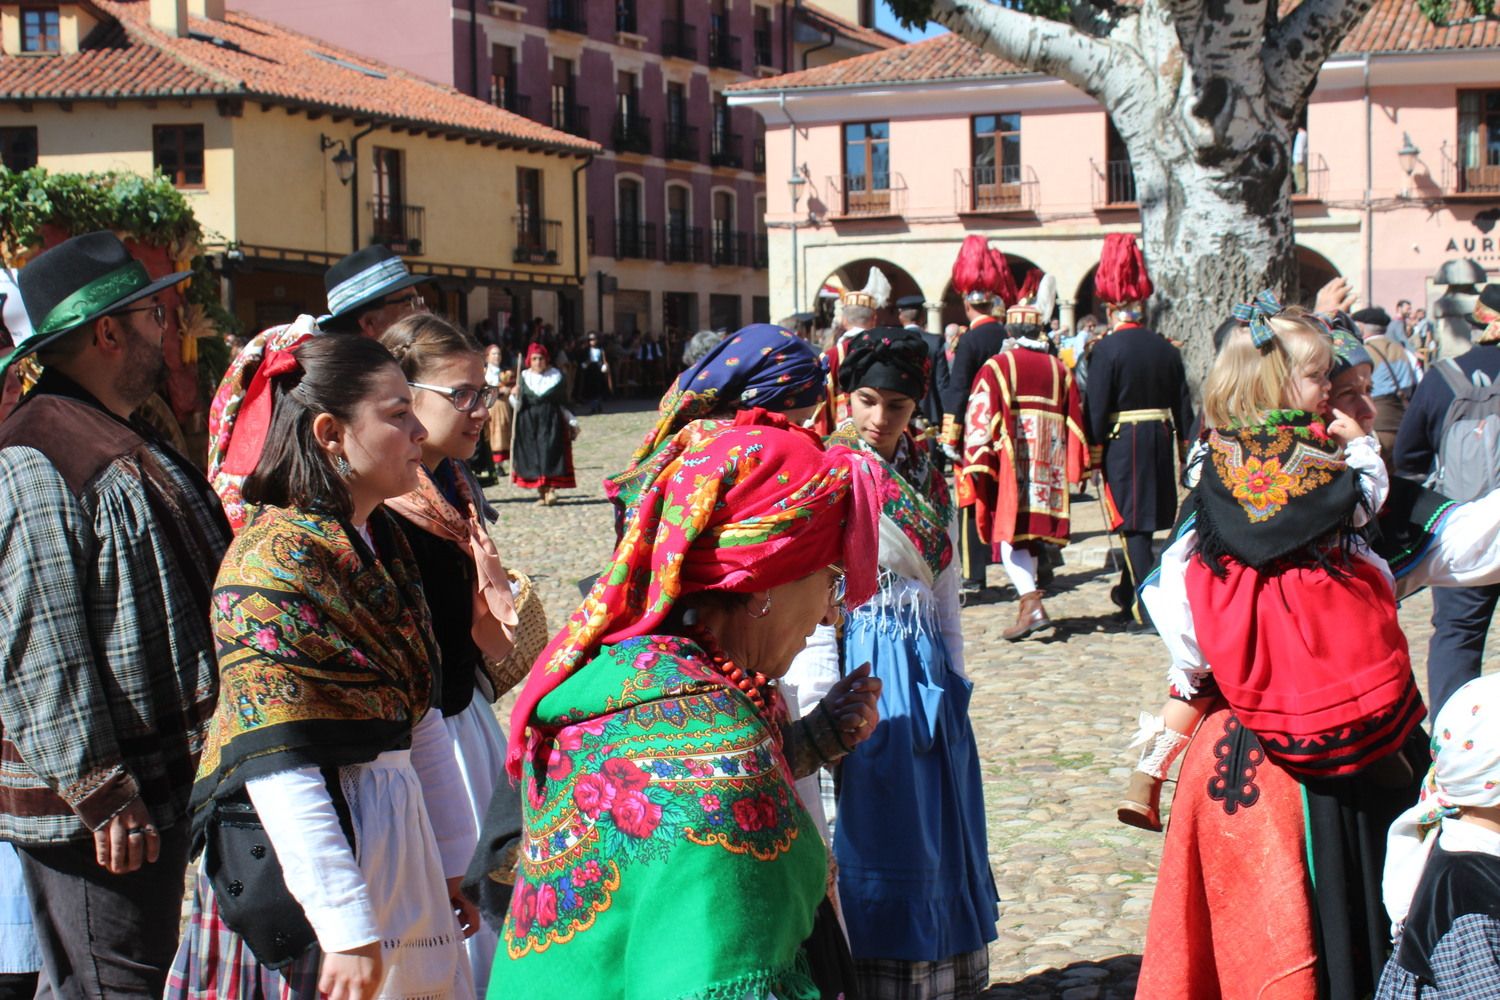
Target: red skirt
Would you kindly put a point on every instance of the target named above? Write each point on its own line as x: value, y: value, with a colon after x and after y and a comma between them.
x: 1315, y: 665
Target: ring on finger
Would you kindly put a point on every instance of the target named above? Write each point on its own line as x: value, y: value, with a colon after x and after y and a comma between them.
x: 136, y: 831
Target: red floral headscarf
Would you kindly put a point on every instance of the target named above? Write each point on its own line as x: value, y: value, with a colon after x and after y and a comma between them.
x: 745, y: 506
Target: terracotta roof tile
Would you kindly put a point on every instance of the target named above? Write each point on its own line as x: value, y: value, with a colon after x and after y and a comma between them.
x: 1390, y: 26
x: 827, y: 20
x: 246, y: 57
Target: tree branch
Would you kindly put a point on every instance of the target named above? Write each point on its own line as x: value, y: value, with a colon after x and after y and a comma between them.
x: 1297, y: 47
x: 1033, y: 42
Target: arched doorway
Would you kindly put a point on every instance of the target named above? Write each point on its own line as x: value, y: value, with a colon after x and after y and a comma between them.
x: 854, y: 276
x: 953, y: 306
x: 1084, y: 302
x: 1313, y: 272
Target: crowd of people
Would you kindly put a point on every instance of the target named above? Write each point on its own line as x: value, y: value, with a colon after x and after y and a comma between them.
x: 744, y: 767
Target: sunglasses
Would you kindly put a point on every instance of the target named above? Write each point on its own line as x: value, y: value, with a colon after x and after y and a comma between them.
x: 414, y: 302
x: 158, y: 312
x: 464, y: 400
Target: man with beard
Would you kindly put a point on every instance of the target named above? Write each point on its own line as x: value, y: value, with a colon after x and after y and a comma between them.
x: 108, y: 550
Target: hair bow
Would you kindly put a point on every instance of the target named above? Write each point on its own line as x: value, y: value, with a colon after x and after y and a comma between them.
x: 1257, y: 313
x: 254, y: 421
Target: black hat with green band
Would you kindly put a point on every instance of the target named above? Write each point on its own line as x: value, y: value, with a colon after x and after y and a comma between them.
x: 75, y: 283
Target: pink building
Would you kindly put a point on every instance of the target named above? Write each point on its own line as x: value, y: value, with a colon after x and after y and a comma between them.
x: 901, y: 154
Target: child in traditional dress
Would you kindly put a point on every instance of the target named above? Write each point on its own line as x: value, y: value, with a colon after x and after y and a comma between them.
x: 1285, y: 482
x: 1442, y: 867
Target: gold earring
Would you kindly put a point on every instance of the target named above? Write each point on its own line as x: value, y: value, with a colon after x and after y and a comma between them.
x: 764, y: 609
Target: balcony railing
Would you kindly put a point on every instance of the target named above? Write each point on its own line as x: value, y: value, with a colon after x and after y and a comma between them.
x: 635, y: 241
x: 571, y: 118
x: 632, y: 133
x: 397, y: 225
x: 763, y: 47
x: 503, y: 95
x: 725, y: 149
x: 762, y: 256
x: 758, y: 156
x: 538, y: 241
x: 683, y: 244
x: 1114, y: 184
x: 682, y: 141
x: 866, y: 196
x: 1313, y: 186
x: 729, y: 249
x: 679, y: 40
x: 568, y: 15
x: 1008, y: 188
x: 1460, y: 178
x: 723, y: 50
x: 625, y: 16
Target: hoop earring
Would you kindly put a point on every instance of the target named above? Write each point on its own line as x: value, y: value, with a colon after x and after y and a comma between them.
x: 764, y: 609
x: 342, y: 467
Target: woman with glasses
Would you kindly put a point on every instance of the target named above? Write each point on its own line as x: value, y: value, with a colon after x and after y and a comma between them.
x: 914, y: 878
x: 542, y: 445
x: 445, y: 520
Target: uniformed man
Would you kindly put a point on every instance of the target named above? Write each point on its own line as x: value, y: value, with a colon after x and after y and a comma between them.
x: 1138, y: 414
x: 910, y: 310
x: 858, y: 311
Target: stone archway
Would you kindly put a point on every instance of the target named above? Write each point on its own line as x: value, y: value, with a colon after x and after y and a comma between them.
x: 1313, y: 272
x: 853, y: 276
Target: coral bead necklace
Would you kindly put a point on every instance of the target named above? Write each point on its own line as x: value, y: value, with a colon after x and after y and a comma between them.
x: 751, y: 683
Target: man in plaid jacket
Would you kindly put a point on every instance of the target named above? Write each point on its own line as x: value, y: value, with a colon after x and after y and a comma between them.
x: 109, y: 543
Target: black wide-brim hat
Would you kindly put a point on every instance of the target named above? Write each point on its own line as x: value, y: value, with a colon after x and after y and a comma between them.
x: 77, y: 282
x: 363, y: 277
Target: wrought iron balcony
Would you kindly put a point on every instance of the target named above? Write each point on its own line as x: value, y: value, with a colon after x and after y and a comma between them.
x: 763, y: 55
x: 503, y: 95
x: 568, y: 15
x: 632, y: 133
x: 635, y: 241
x: 729, y: 249
x: 397, y: 225
x: 1119, y: 183
x: 538, y: 241
x: 571, y: 118
x: 990, y: 189
x: 679, y: 40
x: 758, y: 156
x: 762, y: 257
x: 725, y: 149
x: 723, y: 50
x: 625, y: 16
x: 683, y: 244
x: 682, y: 141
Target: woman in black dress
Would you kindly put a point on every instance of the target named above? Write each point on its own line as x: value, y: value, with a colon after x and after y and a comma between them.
x: 542, y: 449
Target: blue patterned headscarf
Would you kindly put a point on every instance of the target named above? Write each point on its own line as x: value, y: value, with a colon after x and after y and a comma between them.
x: 759, y: 365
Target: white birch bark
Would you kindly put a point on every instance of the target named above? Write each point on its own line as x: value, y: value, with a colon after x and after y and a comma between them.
x: 1204, y: 94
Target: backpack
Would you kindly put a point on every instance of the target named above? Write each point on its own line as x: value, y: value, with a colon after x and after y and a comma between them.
x: 1468, y: 457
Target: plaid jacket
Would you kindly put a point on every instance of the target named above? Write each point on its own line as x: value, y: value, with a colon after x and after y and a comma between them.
x: 108, y: 547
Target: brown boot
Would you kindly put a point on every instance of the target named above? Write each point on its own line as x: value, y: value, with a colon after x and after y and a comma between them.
x: 1141, y: 806
x: 1031, y: 618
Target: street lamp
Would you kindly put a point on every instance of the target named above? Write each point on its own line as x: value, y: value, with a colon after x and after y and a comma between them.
x: 794, y: 188
x: 1408, y: 153
x: 343, y: 161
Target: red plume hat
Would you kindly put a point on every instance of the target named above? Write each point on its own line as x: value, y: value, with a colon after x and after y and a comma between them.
x: 1122, y: 275
x: 981, y: 273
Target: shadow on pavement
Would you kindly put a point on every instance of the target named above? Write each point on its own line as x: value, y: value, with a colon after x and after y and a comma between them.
x: 1106, y: 979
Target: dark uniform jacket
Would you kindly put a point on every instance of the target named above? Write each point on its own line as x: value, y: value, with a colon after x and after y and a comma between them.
x: 931, y: 407
x: 985, y: 339
x: 1132, y: 371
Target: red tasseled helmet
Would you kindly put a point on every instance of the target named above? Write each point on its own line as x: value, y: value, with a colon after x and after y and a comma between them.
x: 1122, y: 275
x: 1030, y: 285
x: 1005, y: 283
x: 974, y: 271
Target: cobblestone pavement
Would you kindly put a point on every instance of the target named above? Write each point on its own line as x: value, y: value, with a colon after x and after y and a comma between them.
x: 1052, y: 717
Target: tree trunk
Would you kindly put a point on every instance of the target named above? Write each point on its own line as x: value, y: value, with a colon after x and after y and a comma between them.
x: 1204, y: 94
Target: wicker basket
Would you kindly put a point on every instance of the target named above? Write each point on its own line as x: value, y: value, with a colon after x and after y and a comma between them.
x: 531, y: 637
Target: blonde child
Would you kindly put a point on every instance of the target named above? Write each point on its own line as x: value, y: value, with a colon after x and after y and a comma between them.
x: 1284, y: 482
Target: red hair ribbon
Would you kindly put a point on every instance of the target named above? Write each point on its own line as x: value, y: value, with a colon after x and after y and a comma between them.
x: 254, y: 420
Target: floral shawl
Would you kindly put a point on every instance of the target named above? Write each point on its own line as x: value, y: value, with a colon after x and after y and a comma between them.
x: 325, y: 653
x: 742, y: 508
x: 760, y: 366
x: 664, y: 852
x: 917, y: 499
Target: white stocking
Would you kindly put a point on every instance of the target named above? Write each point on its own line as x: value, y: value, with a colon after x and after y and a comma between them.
x: 1020, y: 566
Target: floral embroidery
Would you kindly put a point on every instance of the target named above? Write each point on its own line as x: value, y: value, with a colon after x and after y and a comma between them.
x: 1266, y: 468
x: 1261, y: 485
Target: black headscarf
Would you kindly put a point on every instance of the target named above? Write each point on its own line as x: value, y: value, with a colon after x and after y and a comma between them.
x: 887, y: 357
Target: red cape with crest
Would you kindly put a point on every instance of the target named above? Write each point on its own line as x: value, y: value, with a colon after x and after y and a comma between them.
x: 1023, y: 447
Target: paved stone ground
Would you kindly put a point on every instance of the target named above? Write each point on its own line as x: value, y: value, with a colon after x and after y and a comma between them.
x: 1052, y: 717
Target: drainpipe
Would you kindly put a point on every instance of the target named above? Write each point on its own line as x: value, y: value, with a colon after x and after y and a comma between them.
x: 474, y: 47
x: 354, y: 187
x: 578, y: 240
x: 832, y: 37
x: 796, y: 284
x: 1369, y: 188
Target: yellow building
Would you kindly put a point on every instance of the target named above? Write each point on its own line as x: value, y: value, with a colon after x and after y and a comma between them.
x: 293, y: 153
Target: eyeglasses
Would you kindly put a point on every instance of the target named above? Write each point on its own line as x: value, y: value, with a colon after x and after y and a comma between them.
x: 464, y: 400
x: 414, y: 302
x: 157, y: 310
x: 837, y: 590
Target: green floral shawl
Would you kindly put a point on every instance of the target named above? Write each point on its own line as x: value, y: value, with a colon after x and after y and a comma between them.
x: 665, y: 853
